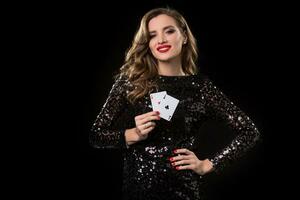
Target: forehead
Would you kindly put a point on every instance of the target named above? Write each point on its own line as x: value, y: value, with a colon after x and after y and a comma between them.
x: 161, y: 21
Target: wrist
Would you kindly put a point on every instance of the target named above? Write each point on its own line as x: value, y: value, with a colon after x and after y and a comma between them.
x: 131, y: 136
x: 207, y: 166
x: 204, y: 167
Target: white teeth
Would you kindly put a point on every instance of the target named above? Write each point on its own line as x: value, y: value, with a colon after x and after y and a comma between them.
x: 163, y: 49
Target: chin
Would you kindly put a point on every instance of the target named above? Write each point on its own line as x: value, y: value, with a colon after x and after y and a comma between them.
x: 164, y: 59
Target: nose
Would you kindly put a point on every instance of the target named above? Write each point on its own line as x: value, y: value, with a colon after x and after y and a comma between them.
x: 162, y: 39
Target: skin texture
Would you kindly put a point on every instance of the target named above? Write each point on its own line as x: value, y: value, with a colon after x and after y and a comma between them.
x: 164, y: 31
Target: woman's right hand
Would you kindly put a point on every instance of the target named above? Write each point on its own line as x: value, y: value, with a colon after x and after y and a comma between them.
x: 144, y: 125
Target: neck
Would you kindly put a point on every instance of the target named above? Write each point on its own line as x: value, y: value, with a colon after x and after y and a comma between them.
x: 170, y: 68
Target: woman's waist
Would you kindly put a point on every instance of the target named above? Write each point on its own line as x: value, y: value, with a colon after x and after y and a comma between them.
x: 165, y: 147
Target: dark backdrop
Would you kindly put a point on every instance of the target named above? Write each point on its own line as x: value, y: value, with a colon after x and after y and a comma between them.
x: 85, y: 44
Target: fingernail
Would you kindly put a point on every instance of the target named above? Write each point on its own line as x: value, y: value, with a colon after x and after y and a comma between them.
x: 171, y: 159
x: 177, y: 168
x: 158, y: 112
x: 175, y: 150
x: 173, y: 163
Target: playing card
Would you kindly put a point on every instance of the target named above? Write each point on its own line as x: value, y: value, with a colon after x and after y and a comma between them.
x: 167, y: 107
x: 156, y: 99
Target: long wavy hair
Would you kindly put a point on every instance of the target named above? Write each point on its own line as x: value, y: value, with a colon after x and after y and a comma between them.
x: 140, y: 66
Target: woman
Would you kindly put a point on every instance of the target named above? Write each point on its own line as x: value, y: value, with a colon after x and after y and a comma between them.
x: 161, y: 160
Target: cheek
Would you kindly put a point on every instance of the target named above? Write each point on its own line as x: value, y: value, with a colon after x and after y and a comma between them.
x: 177, y: 41
x: 179, y: 46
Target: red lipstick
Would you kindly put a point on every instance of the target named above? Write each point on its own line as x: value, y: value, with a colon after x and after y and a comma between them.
x: 163, y: 48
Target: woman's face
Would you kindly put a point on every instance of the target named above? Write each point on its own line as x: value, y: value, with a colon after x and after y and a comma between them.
x: 166, y: 39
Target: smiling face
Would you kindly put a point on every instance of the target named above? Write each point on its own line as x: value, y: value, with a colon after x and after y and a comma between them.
x: 166, y: 39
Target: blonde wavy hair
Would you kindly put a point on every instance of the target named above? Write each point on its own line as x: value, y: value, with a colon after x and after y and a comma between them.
x: 140, y: 66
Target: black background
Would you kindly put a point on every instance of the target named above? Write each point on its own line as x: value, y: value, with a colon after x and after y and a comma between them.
x: 72, y: 51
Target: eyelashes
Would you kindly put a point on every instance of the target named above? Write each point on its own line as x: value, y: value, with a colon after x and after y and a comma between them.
x: 168, y: 32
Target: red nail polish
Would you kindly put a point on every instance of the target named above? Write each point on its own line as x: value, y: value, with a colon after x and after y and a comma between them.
x: 174, y: 150
x: 173, y: 163
x: 177, y: 168
x: 171, y: 159
x: 158, y: 112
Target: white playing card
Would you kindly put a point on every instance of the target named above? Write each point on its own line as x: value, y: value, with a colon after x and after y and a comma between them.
x: 156, y: 99
x: 167, y: 107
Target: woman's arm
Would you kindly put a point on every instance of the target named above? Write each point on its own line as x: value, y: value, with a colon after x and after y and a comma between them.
x: 103, y: 134
x: 218, y: 106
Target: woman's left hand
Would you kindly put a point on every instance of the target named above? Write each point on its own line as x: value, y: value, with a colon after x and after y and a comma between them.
x: 187, y: 159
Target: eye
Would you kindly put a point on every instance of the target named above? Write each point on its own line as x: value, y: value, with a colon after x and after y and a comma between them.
x: 170, y: 31
x: 152, y: 36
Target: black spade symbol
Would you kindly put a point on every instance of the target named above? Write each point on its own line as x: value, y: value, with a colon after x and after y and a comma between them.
x: 167, y: 107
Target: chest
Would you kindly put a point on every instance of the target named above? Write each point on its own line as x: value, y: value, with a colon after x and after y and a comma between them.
x: 190, y: 108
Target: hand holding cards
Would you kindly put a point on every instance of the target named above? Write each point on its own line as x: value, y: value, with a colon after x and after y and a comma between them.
x: 164, y: 103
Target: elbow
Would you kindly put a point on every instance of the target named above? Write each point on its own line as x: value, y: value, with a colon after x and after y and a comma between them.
x: 92, y: 140
x: 257, y: 138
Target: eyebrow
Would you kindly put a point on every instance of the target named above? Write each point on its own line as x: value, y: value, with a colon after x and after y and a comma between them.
x: 166, y: 27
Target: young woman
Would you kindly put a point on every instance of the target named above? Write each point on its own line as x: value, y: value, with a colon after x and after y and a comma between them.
x: 160, y: 156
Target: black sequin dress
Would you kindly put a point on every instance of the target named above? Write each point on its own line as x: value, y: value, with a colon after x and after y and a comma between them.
x: 148, y: 174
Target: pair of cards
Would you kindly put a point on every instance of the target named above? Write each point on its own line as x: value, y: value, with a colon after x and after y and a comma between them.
x: 164, y: 103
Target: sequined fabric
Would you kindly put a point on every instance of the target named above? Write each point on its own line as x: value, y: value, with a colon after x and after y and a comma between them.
x: 147, y: 172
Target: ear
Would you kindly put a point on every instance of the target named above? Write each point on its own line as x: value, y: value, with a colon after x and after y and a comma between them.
x: 185, y: 37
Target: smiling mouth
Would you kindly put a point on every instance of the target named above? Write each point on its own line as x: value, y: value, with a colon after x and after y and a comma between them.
x: 163, y: 48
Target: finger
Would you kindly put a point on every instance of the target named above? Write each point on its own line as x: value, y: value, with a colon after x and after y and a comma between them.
x: 148, y: 124
x: 184, y: 167
x: 147, y: 119
x: 180, y: 157
x: 152, y: 113
x: 148, y: 130
x: 183, y: 151
x: 145, y: 126
x: 182, y: 162
x: 144, y: 133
